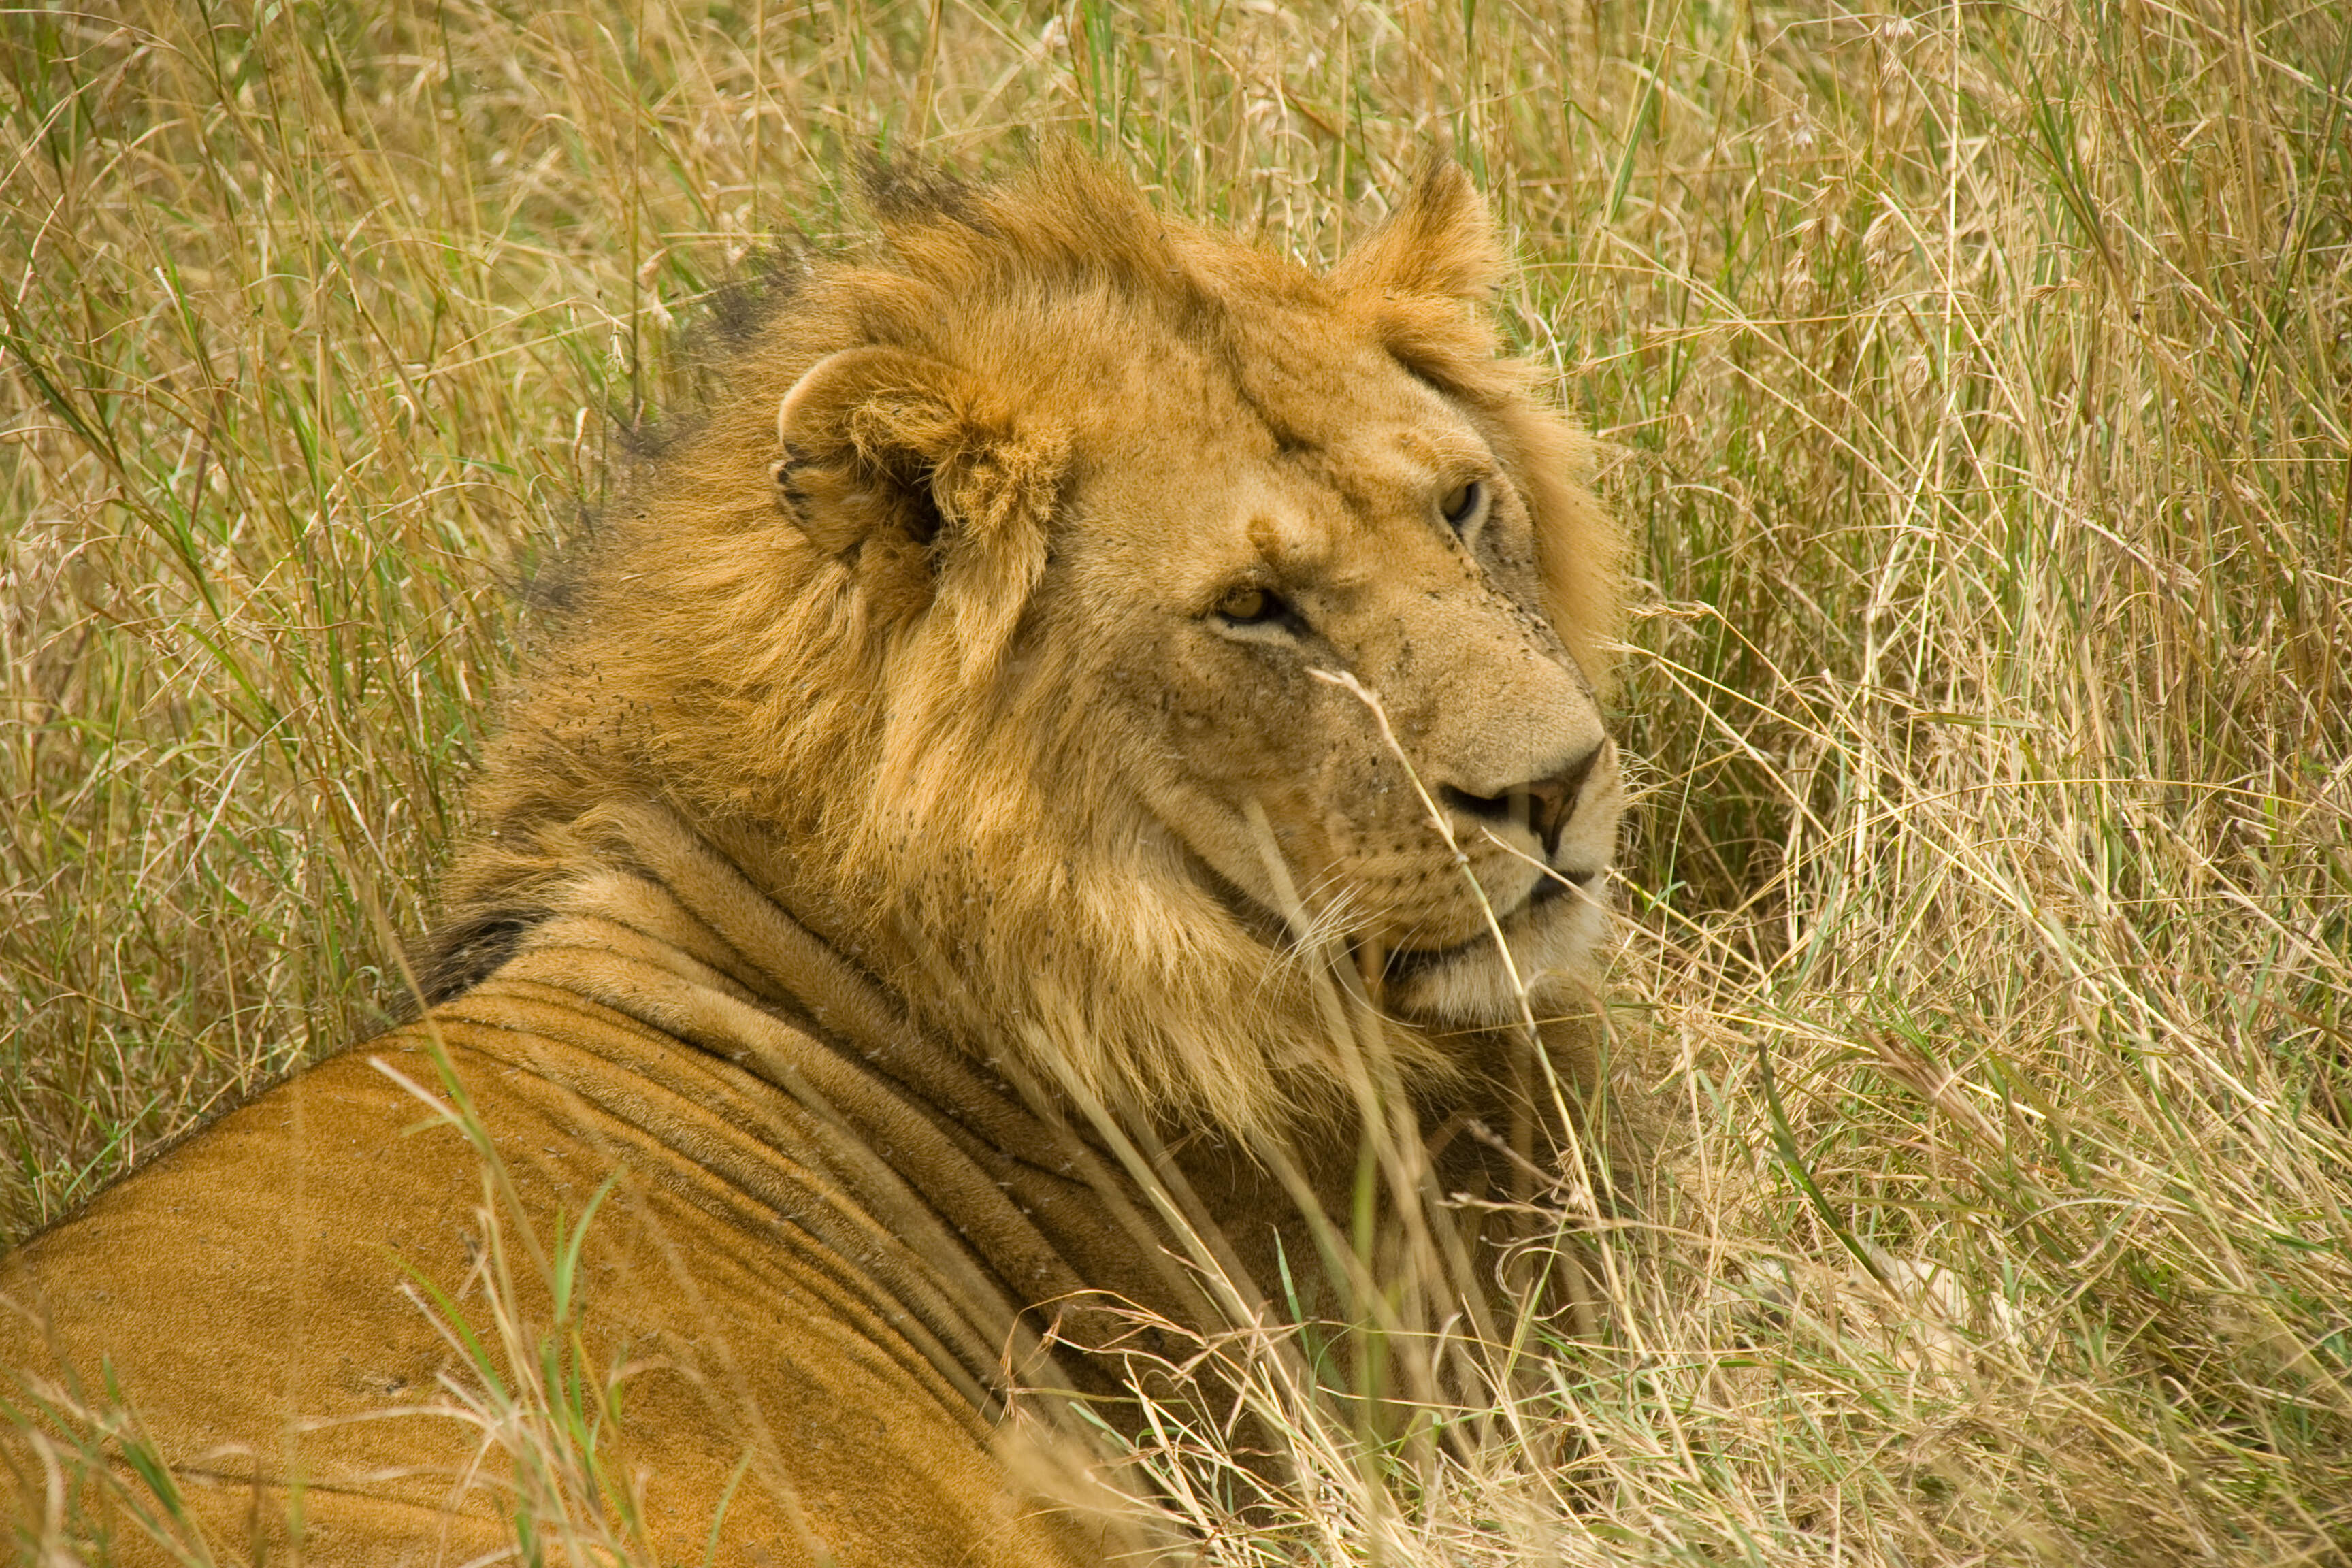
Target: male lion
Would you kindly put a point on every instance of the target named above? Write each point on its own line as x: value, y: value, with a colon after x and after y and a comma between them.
x: 999, y: 811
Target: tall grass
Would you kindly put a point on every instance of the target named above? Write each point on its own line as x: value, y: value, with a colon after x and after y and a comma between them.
x: 1975, y: 382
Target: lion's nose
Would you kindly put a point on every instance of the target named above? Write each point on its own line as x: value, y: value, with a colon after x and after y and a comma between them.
x: 1543, y: 806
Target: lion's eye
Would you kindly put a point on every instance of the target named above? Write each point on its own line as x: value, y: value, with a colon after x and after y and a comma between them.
x: 1460, y: 503
x: 1251, y: 608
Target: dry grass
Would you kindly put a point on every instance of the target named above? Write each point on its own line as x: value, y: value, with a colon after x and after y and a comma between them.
x: 1977, y: 382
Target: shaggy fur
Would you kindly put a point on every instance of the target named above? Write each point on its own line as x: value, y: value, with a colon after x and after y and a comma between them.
x: 994, y: 812
x: 934, y: 663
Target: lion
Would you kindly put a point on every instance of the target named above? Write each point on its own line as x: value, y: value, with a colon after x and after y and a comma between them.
x: 1090, y: 718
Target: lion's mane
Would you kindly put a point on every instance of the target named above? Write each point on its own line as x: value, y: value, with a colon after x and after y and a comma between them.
x: 944, y: 817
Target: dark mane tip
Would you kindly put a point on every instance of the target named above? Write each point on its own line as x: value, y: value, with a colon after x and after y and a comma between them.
x: 904, y: 191
x: 457, y: 958
x: 762, y: 287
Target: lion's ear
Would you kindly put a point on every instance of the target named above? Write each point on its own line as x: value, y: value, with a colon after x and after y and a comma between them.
x: 1422, y: 280
x: 1438, y: 243
x: 863, y: 432
x: 908, y: 464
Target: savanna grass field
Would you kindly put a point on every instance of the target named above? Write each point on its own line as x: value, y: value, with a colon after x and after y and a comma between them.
x: 1973, y: 381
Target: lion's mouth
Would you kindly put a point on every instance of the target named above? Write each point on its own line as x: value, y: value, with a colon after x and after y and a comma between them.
x: 1404, y: 964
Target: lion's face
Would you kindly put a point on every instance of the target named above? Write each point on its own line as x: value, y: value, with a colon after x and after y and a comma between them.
x: 1362, y: 552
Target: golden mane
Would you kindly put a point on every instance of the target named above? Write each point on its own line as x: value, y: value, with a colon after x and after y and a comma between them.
x: 890, y: 730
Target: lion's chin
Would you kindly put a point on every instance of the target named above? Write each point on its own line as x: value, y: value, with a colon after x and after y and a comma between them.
x: 1552, y: 936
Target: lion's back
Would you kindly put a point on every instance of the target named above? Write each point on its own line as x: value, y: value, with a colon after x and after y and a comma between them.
x: 322, y: 1322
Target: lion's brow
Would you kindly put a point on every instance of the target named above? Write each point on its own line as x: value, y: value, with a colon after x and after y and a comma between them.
x: 1288, y: 440
x: 1290, y: 545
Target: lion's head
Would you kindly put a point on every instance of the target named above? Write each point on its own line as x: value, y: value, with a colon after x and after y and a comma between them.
x: 1085, y: 621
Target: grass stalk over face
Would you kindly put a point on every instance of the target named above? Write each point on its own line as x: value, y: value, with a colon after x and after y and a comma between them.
x: 1975, y: 388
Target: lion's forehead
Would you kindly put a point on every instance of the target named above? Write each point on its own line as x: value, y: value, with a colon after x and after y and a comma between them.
x: 1288, y: 376
x: 1302, y: 485
x: 1289, y: 522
